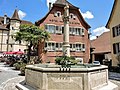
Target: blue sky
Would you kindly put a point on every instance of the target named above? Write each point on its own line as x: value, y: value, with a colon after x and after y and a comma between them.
x: 95, y: 12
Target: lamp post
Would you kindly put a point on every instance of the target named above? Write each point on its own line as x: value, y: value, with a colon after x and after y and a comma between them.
x: 66, y: 46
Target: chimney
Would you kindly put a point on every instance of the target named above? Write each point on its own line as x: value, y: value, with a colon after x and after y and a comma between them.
x: 5, y: 19
x: 50, y: 5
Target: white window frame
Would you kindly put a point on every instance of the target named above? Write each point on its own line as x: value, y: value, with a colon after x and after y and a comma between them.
x: 83, y: 48
x: 72, y: 16
x: 50, y: 47
x: 59, y: 31
x: 57, y: 14
x: 82, y: 31
x: 48, y: 28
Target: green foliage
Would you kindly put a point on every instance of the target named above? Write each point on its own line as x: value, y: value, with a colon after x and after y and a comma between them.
x: 62, y: 60
x: 22, y: 69
x: 31, y: 33
x: 18, y: 65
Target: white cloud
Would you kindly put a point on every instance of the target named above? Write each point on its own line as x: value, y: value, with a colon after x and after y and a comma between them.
x: 92, y: 37
x: 98, y: 31
x: 21, y: 14
x: 48, y: 1
x: 87, y: 15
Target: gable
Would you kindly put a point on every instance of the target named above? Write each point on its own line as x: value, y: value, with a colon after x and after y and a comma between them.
x: 50, y: 18
x: 114, y: 16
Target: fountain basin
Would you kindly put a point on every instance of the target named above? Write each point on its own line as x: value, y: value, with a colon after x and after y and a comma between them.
x: 55, y: 77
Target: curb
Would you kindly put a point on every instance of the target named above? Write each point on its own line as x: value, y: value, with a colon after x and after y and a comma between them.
x: 23, y: 86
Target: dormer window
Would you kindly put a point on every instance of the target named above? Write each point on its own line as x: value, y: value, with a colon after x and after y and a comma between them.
x: 57, y: 14
x: 72, y: 16
x: 12, y: 28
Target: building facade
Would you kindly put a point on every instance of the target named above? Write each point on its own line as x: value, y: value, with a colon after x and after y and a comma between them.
x: 8, y: 27
x: 102, y: 48
x: 78, y: 31
x: 114, y: 26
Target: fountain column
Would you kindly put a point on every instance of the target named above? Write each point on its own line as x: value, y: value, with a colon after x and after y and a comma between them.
x: 66, y: 46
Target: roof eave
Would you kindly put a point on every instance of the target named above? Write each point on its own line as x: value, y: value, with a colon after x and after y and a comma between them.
x: 113, y: 8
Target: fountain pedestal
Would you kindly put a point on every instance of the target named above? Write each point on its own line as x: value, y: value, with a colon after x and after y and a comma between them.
x: 56, y: 78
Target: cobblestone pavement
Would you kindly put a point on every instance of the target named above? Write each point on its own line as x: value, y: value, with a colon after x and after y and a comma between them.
x: 11, y: 83
x: 6, y: 73
x: 115, y: 78
x: 116, y: 82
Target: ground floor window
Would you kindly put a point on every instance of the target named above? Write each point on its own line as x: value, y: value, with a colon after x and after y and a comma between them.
x: 116, y: 48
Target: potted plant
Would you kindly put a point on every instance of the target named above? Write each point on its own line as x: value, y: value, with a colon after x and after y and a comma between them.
x: 22, y: 69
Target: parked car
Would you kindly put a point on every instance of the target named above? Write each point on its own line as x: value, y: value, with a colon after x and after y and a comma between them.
x: 96, y: 62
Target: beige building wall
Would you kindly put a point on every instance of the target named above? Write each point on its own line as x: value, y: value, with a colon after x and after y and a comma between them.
x: 115, y: 20
x: 0, y: 40
x: 3, y: 40
x: 15, y: 46
x: 4, y: 47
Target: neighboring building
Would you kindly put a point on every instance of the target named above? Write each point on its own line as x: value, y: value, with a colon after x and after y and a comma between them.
x: 114, y: 26
x: 102, y: 48
x: 79, y: 34
x: 8, y: 26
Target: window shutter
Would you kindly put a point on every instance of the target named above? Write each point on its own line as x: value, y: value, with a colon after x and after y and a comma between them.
x: 114, y: 49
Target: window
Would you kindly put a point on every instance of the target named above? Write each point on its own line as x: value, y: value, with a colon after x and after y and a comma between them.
x: 58, y: 30
x: 76, y: 31
x: 52, y: 46
x: 70, y: 31
x: 58, y: 46
x: 72, y: 16
x: 57, y: 14
x: 116, y: 48
x: 74, y: 47
x: 50, y: 28
x: 62, y: 29
x: 82, y: 31
x: 116, y: 30
x: 78, y: 47
x: 12, y: 28
x: 83, y: 47
x: 11, y: 45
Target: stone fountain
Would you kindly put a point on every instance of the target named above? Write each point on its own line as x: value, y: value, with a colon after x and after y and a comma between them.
x: 75, y: 77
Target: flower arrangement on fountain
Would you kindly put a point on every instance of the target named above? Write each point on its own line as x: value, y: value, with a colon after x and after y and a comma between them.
x: 65, y: 60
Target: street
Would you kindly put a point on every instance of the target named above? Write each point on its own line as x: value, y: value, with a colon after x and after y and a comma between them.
x: 6, y: 73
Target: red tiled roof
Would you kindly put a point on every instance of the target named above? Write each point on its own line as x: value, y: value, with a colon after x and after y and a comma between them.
x: 26, y: 22
x: 15, y: 15
x: 102, y: 43
x: 64, y: 2
x: 2, y: 27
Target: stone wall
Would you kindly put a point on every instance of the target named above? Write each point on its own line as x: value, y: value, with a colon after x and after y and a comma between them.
x: 75, y: 79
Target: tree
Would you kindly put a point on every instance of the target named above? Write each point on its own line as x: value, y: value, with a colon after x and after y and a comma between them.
x: 33, y: 35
